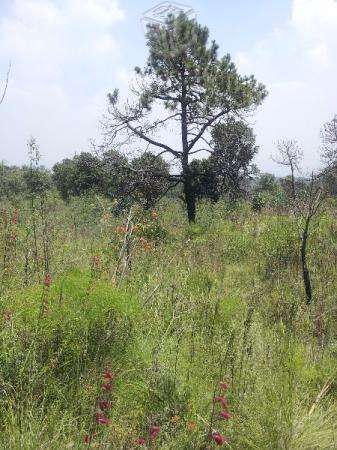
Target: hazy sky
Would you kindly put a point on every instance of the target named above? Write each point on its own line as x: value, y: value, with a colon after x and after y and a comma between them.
x: 68, y: 54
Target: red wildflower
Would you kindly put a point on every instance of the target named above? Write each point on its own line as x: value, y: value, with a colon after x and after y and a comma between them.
x: 107, y: 387
x: 225, y: 415
x: 104, y: 405
x: 120, y: 229
x: 140, y: 441
x: 136, y: 227
x: 47, y: 279
x: 154, y: 435
x: 190, y: 426
x: 153, y: 428
x: 148, y: 246
x: 7, y: 314
x: 222, y: 401
x: 155, y: 214
x: 154, y: 431
x: 218, y: 438
x: 224, y: 386
x: 103, y: 420
x: 97, y: 260
x: 87, y: 439
x: 15, y: 216
x: 108, y: 374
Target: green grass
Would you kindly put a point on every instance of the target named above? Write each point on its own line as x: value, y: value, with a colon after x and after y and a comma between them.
x: 219, y: 299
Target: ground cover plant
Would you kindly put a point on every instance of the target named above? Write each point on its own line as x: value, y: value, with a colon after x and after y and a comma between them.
x: 149, y: 332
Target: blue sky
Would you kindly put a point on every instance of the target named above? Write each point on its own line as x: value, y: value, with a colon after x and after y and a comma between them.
x: 67, y: 54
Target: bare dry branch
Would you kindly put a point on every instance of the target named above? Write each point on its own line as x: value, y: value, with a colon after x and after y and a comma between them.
x: 6, y: 84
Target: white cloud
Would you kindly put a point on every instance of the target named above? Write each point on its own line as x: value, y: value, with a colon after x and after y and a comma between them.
x: 319, y: 57
x: 256, y: 61
x: 315, y: 21
x: 293, y: 110
x: 315, y: 16
x: 244, y: 62
x: 57, y: 49
x: 103, y: 12
x: 49, y: 33
x: 278, y: 32
x: 298, y: 63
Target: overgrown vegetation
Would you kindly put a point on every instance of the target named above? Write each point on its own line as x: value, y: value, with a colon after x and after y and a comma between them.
x: 219, y: 301
x: 127, y: 323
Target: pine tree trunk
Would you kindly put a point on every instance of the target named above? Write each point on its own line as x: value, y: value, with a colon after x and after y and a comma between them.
x: 188, y: 184
x: 189, y: 198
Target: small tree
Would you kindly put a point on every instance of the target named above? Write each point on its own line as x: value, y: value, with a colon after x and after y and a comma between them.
x: 148, y: 179
x: 12, y: 184
x: 329, y: 140
x: 78, y: 175
x: 115, y: 176
x: 88, y: 173
x: 64, y: 176
x: 329, y: 154
x: 194, y: 88
x: 38, y: 182
x: 266, y: 182
x: 234, y: 148
x: 289, y: 155
x: 205, y: 181
x: 229, y: 166
x: 306, y: 207
x: 37, y: 177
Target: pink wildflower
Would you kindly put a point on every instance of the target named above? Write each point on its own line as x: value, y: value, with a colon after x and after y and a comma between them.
x: 47, y: 279
x: 218, y: 438
x: 103, y: 420
x: 224, y: 386
x: 225, y: 415
x: 154, y: 435
x: 222, y: 401
x: 7, y: 314
x: 107, y: 387
x: 108, y: 375
x: 97, y: 260
x: 153, y: 428
x: 15, y: 216
x: 104, y: 405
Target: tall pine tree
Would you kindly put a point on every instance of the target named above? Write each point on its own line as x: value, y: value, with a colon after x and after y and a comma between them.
x: 196, y: 89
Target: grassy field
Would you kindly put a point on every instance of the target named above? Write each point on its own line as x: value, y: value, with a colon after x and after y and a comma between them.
x: 136, y: 330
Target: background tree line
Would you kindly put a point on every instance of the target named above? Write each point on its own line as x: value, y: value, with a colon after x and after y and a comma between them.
x: 227, y: 173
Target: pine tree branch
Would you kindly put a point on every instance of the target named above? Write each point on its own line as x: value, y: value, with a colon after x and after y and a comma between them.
x: 151, y: 141
x: 205, y: 126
